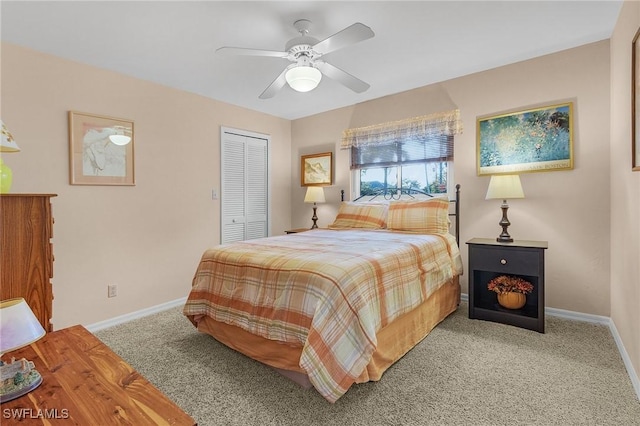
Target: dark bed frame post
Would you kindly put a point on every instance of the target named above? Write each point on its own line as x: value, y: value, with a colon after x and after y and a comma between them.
x: 457, y: 210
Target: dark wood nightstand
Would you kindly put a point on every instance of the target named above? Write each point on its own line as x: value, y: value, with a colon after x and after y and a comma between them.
x: 295, y: 231
x: 489, y: 259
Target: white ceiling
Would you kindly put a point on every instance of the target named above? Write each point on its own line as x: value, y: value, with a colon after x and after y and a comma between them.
x: 416, y: 43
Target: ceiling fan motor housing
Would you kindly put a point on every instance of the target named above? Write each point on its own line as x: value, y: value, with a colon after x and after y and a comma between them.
x: 301, y: 46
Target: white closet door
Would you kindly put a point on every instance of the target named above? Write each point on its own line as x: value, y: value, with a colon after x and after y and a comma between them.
x: 245, y: 185
x: 256, y: 189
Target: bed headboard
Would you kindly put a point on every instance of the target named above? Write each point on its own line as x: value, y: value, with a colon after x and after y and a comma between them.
x: 398, y: 193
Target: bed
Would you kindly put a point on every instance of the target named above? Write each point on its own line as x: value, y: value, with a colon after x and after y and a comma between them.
x: 332, y: 307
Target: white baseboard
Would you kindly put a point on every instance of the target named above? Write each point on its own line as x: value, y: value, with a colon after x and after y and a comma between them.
x: 598, y: 319
x: 135, y: 315
x: 625, y: 358
x: 577, y: 316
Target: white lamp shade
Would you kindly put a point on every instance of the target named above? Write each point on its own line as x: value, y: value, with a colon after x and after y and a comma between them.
x: 315, y: 194
x: 504, y: 187
x: 18, y: 325
x: 303, y: 78
x: 7, y: 144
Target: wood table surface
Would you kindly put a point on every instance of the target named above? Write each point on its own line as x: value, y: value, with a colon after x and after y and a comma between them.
x: 86, y: 383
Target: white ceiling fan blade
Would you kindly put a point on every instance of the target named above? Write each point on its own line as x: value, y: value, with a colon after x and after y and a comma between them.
x: 352, y: 34
x: 250, y: 52
x: 275, y: 86
x: 342, y: 77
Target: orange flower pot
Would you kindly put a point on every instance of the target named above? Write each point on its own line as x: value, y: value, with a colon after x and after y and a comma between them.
x: 512, y: 300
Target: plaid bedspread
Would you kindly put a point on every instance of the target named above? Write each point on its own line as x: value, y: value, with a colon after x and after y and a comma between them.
x: 328, y: 291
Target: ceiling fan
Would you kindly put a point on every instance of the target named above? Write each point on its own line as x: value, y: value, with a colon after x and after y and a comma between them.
x: 306, y: 70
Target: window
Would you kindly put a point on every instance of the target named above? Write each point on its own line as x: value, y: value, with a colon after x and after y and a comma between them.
x: 420, y: 163
x: 415, y: 153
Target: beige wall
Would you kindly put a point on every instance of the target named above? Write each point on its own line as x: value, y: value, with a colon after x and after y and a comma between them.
x: 148, y: 238
x: 562, y: 207
x: 625, y: 191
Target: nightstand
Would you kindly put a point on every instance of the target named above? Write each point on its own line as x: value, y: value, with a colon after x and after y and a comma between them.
x: 297, y: 230
x: 489, y: 259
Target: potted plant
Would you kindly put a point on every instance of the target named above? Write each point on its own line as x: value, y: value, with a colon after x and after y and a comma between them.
x: 511, y: 290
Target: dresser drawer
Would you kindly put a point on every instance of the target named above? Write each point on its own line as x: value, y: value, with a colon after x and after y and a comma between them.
x: 519, y: 261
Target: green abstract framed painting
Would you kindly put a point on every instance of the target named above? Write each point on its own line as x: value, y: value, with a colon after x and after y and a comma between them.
x: 532, y: 140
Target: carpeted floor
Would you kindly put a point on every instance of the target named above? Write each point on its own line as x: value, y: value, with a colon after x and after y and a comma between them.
x: 466, y: 372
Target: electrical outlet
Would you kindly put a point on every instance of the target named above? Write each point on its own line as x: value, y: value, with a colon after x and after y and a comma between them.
x: 112, y: 290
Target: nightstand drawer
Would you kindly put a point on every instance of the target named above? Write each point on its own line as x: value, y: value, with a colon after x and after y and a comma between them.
x: 506, y: 261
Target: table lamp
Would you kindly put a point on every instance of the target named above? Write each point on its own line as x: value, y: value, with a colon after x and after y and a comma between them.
x: 19, y: 327
x: 315, y: 194
x: 504, y: 187
x: 7, y: 144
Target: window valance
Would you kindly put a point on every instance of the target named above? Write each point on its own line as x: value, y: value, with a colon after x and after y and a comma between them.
x: 446, y: 123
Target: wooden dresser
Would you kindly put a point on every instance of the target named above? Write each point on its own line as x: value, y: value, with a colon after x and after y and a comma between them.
x: 26, y: 252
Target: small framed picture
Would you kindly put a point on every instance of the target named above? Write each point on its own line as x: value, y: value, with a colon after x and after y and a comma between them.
x: 316, y: 169
x: 100, y: 150
x: 531, y: 140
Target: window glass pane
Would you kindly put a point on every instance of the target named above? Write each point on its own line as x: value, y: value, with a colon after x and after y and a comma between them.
x: 376, y: 178
x: 429, y: 177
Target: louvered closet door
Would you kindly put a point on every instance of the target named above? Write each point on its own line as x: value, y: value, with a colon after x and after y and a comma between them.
x: 245, y: 183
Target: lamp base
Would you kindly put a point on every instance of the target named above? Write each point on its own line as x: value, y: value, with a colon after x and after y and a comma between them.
x: 504, y: 236
x: 6, y: 178
x: 314, y: 218
x: 18, y: 378
x: 504, y: 239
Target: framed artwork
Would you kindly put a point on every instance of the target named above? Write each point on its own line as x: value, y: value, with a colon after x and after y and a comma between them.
x: 100, y: 150
x: 316, y: 169
x: 635, y: 104
x: 532, y: 140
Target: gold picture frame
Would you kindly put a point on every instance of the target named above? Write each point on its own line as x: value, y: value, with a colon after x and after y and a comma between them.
x: 316, y: 169
x: 94, y: 157
x: 635, y: 103
x: 530, y: 140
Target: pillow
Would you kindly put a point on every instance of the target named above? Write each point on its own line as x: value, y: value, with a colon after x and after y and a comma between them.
x: 356, y: 215
x: 427, y: 216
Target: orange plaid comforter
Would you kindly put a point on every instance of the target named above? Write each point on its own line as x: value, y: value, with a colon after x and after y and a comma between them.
x: 325, y: 290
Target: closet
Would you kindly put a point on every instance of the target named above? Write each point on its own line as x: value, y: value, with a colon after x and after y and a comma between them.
x: 244, y: 185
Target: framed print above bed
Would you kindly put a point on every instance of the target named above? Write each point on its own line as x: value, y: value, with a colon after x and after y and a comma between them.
x: 100, y: 150
x: 316, y: 169
x: 532, y: 140
x: 635, y: 104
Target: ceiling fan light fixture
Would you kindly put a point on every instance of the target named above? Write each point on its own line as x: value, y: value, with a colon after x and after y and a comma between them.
x: 120, y: 139
x: 303, y: 78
